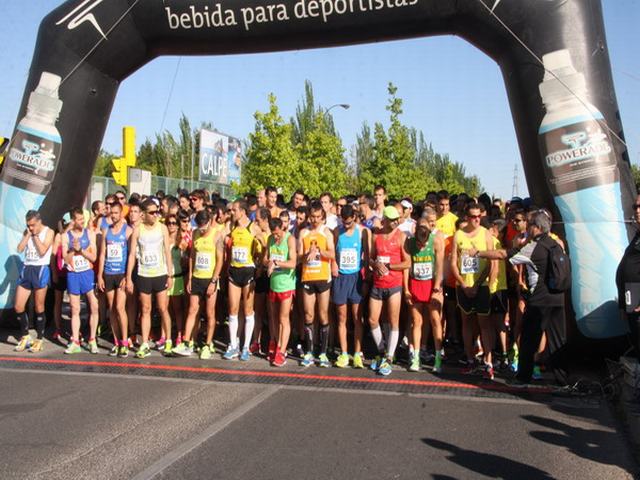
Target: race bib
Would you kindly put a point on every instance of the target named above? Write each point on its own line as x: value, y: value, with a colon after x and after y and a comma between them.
x: 203, y: 261
x: 348, y: 259
x: 114, y: 252
x: 423, y: 271
x: 150, y: 259
x: 80, y: 264
x: 385, y: 260
x: 278, y: 257
x: 469, y: 264
x: 240, y: 255
x: 31, y: 254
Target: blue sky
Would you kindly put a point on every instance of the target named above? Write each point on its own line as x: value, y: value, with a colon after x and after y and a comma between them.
x: 469, y: 120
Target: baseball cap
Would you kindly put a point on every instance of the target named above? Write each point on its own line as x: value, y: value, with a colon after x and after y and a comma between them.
x: 391, y: 213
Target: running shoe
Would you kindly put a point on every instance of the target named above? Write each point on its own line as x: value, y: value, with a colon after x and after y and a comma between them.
x: 342, y: 361
x: 231, y: 353
x: 280, y: 360
x: 375, y: 364
x: 537, y: 373
x: 182, y: 350
x: 273, y: 346
x: 72, y: 348
x: 168, y: 348
x: 23, y: 344
x: 323, y: 361
x: 93, y: 347
x: 244, y: 355
x: 143, y: 351
x: 470, y: 368
x: 299, y: 350
x: 123, y: 352
x: 205, y: 352
x: 56, y: 335
x: 385, y: 367
x: 488, y: 373
x: 37, y: 346
x: 414, y: 366
x: 358, y: 361
x: 503, y: 362
x: 114, y: 351
x: 178, y: 340
x: 307, y: 360
x: 513, y: 366
x: 254, y: 348
x: 160, y: 343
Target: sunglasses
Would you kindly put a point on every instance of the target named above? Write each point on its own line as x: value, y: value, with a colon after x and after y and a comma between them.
x: 518, y: 220
x: 152, y: 212
x: 172, y: 223
x: 120, y: 198
x: 110, y: 204
x: 474, y: 217
x: 636, y: 206
x: 184, y: 220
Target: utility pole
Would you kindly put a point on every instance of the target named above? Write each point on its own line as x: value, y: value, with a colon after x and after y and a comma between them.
x: 514, y: 188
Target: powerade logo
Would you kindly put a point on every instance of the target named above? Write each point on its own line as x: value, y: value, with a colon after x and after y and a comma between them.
x: 582, y: 146
x: 34, y: 157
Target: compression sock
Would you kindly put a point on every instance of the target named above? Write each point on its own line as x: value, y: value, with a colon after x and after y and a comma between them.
x: 249, y: 323
x: 23, y: 320
x: 40, y: 323
x: 393, y: 342
x: 377, y: 338
x: 308, y: 337
x: 324, y: 338
x: 233, y: 331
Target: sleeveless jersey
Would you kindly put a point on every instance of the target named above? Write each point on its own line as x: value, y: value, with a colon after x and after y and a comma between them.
x: 500, y: 283
x: 151, y: 258
x: 115, y: 261
x: 423, y: 260
x: 31, y: 255
x: 282, y: 279
x: 318, y: 268
x: 349, y: 251
x: 80, y: 263
x: 388, y: 251
x: 471, y: 267
x: 243, y: 246
x: 204, y: 247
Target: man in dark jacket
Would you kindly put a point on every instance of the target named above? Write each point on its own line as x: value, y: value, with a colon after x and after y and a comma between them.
x: 629, y: 272
x: 544, y: 311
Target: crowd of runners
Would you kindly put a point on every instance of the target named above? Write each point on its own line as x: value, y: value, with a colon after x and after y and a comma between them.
x: 317, y: 280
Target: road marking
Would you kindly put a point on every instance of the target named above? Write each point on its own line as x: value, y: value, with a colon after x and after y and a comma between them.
x: 280, y: 375
x: 186, y: 447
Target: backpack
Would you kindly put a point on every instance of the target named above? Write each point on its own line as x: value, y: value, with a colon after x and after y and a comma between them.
x: 558, y: 279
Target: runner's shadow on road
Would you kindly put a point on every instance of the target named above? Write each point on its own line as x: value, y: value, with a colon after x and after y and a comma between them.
x: 590, y: 444
x: 492, y: 466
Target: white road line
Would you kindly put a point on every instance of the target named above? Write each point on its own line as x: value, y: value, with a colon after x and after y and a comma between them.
x: 175, y: 455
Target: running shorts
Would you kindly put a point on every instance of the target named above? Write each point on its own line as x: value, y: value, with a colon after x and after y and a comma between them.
x: 35, y: 277
x: 347, y: 289
x: 480, y: 304
x: 81, y: 283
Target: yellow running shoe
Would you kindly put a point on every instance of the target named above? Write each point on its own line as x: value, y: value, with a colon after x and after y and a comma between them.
x: 357, y: 360
x: 23, y: 344
x: 37, y: 346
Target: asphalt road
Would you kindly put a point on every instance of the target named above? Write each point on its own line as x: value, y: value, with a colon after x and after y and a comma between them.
x: 169, y: 419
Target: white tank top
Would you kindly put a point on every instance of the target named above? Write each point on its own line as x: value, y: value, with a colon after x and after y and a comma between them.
x: 32, y: 257
x: 151, y: 261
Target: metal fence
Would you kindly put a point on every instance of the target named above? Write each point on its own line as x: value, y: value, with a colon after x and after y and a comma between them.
x: 101, y: 186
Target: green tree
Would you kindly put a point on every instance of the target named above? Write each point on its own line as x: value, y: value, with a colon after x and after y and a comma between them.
x: 271, y: 158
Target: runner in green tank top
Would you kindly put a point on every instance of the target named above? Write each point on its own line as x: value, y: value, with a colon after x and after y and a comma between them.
x: 423, y: 288
x: 281, y: 263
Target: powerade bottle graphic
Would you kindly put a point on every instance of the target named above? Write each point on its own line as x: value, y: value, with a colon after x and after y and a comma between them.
x: 30, y: 166
x: 580, y: 166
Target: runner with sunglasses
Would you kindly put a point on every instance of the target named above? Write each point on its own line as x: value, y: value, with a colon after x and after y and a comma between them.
x: 155, y: 273
x: 472, y: 274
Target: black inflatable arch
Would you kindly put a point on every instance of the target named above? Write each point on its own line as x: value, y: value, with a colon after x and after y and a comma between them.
x: 572, y: 157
